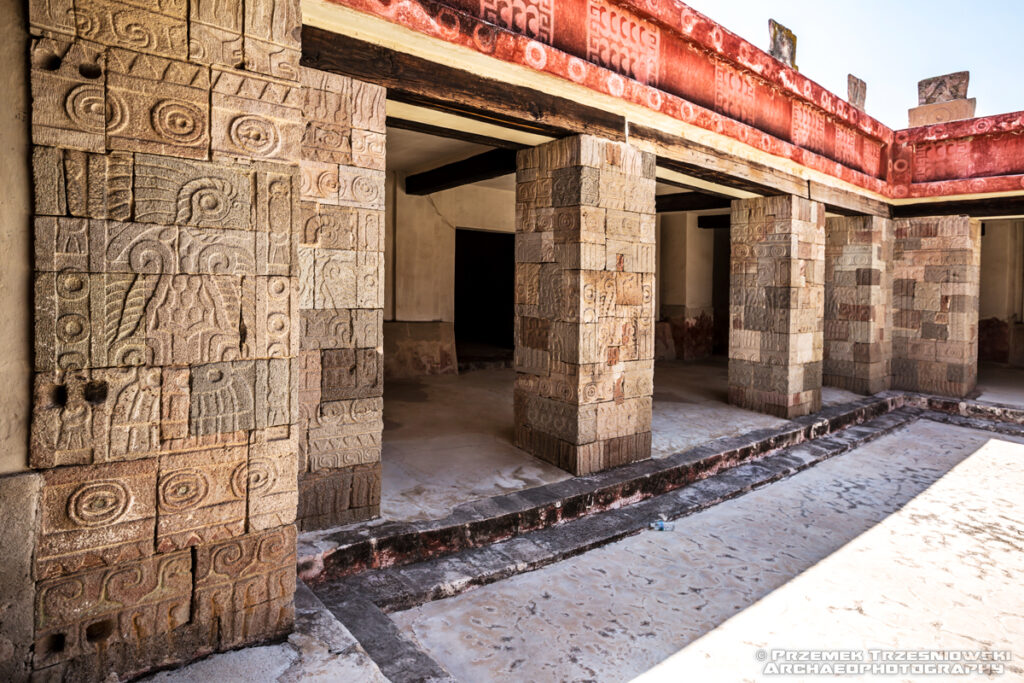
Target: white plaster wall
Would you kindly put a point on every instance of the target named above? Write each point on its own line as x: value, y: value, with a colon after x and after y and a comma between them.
x: 685, y: 263
x: 672, y: 259
x: 15, y: 243
x: 421, y: 252
x: 700, y: 262
x: 1002, y: 270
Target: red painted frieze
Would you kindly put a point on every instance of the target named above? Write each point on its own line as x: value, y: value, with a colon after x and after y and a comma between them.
x: 667, y: 57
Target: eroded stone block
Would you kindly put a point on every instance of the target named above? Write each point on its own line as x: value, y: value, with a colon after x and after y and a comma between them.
x: 222, y: 398
x: 69, y: 103
x: 273, y: 393
x: 273, y: 481
x: 335, y: 497
x: 351, y: 373
x: 273, y: 38
x: 943, y: 88
x: 158, y: 28
x: 327, y: 112
x: 96, y: 515
x: 215, y: 32
x: 255, y: 117
x: 193, y: 319
x: 277, y: 315
x: 201, y: 497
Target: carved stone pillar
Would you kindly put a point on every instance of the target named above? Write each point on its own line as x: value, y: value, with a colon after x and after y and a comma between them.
x: 936, y: 276
x: 776, y: 305
x: 341, y: 300
x: 584, y: 303
x: 858, y: 296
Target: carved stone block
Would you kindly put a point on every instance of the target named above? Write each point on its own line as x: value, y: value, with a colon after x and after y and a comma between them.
x: 277, y: 220
x: 335, y: 274
x: 177, y: 191
x: 256, y: 117
x: 320, y: 181
x: 61, y: 244
x: 69, y: 104
x: 369, y: 279
x: 244, y: 587
x: 222, y: 398
x: 210, y: 251
x: 62, y: 324
x: 351, y: 373
x: 96, y: 515
x: 327, y: 112
x: 157, y: 105
x: 943, y: 88
x: 277, y: 315
x: 273, y: 393
x: 273, y: 482
x: 116, y: 247
x: 309, y: 384
x: 109, y: 608
x: 336, y: 497
x: 56, y: 16
x: 48, y: 181
x: 215, y: 32
x: 119, y: 322
x: 174, y: 400
x: 201, y: 497
x: 158, y: 28
x: 273, y: 38
x: 347, y: 433
x: 98, y: 185
x: 360, y: 187
x: 368, y: 104
x: 368, y: 149
x: 193, y: 319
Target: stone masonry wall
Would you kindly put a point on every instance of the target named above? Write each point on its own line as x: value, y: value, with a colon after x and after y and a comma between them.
x: 936, y: 279
x: 341, y: 301
x: 584, y: 303
x: 167, y: 138
x: 858, y: 297
x: 776, y: 305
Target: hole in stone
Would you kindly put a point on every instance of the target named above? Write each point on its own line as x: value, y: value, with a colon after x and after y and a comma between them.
x: 95, y: 391
x: 55, y: 643
x: 90, y: 70
x: 60, y: 395
x: 50, y: 62
x: 101, y: 630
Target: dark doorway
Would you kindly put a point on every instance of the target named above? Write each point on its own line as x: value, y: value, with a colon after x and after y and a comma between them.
x: 484, y: 298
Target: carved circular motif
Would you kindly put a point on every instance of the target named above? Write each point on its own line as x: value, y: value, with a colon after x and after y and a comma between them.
x: 239, y: 480
x: 254, y: 134
x: 182, y: 490
x: 99, y: 503
x: 365, y: 189
x: 535, y: 55
x: 114, y: 113
x: 72, y: 327
x: 85, y: 107
x: 180, y: 122
x: 72, y: 286
x: 577, y: 69
x: 900, y: 165
x: 262, y: 475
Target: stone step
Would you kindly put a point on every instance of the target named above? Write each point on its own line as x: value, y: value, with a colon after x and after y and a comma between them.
x: 332, y: 554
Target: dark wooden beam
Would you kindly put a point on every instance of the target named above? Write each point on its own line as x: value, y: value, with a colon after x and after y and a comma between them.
x: 690, y: 201
x: 720, y: 222
x: 422, y: 82
x: 451, y: 133
x: 846, y: 203
x: 975, y: 208
x: 491, y: 164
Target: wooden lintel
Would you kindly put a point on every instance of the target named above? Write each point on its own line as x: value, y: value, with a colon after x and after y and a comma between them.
x: 719, y: 222
x: 440, y: 131
x: 975, y: 208
x: 425, y: 83
x: 491, y: 164
x: 690, y: 201
x: 846, y: 203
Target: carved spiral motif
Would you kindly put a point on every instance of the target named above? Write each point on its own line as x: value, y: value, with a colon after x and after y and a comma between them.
x: 255, y: 134
x: 99, y: 503
x: 262, y: 476
x: 183, y: 490
x: 179, y: 122
x: 114, y: 112
x: 85, y: 107
x: 327, y: 183
x: 206, y: 200
x: 239, y: 480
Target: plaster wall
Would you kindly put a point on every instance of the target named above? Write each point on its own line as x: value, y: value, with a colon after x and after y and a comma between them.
x: 15, y: 243
x: 1000, y: 294
x: 422, y: 247
x: 685, y: 276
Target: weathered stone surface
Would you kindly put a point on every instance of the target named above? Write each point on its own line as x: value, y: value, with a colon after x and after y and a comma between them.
x: 244, y: 587
x: 277, y: 316
x: 273, y: 479
x: 351, y: 373
x: 782, y: 43
x: 215, y: 32
x: 942, y: 112
x: 157, y: 105
x: 222, y: 398
x: 273, y: 38
x: 273, y: 395
x: 361, y: 187
x: 68, y: 97
x: 327, y: 112
x: 856, y: 91
x: 320, y: 181
x: 177, y: 191
x: 255, y: 117
x: 346, y: 433
x: 201, y: 497
x: 110, y: 608
x: 947, y: 88
x: 194, y: 319
x: 56, y: 16
x: 337, y: 497
x: 98, y: 185
x: 96, y: 515
x: 158, y: 28
x: 21, y: 518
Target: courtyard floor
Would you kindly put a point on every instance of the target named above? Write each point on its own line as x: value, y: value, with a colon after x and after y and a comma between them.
x: 448, y: 439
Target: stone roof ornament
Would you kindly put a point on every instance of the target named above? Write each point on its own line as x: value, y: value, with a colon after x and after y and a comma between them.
x: 856, y: 91
x: 942, y: 99
x: 783, y: 44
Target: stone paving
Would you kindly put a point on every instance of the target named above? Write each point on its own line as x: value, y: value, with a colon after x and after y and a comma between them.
x: 912, y: 541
